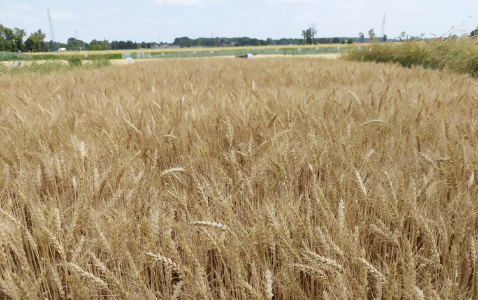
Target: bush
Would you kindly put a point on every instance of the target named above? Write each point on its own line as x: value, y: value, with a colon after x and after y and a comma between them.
x: 74, y: 61
x: 455, y: 54
x: 11, y: 56
x: 33, y: 67
x: 100, y: 63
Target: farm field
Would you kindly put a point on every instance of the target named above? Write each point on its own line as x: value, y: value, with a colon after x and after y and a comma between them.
x: 276, y: 178
x: 103, y: 57
x: 205, y: 49
x: 459, y: 55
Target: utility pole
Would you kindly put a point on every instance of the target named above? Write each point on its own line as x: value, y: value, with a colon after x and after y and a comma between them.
x: 51, y: 25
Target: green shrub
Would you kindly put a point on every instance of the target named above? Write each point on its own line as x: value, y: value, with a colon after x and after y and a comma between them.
x: 45, y: 67
x: 74, y: 61
x: 11, y: 56
x: 100, y: 63
x: 33, y: 67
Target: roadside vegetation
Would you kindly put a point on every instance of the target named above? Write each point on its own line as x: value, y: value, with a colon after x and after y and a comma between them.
x: 19, y: 63
x: 272, y: 178
x: 454, y: 54
x: 68, y: 63
x: 85, y: 55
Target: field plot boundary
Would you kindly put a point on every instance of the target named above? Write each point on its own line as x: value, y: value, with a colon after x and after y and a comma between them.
x: 220, y: 52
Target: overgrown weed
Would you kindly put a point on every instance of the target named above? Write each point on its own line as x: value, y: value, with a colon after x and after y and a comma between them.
x: 454, y: 54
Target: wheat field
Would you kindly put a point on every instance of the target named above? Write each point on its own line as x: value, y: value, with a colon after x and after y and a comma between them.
x: 214, y: 178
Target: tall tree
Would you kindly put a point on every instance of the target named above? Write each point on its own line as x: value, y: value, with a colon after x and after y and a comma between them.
x: 2, y: 38
x: 309, y: 35
x: 114, y: 45
x: 98, y: 45
x: 74, y: 44
x: 19, y: 35
x: 361, y: 37
x: 371, y: 34
x: 7, y: 39
x: 313, y: 32
x: 474, y: 32
x: 2, y: 43
x: 270, y: 41
x: 9, y: 34
x: 402, y: 35
x: 34, y: 42
x: 54, y: 46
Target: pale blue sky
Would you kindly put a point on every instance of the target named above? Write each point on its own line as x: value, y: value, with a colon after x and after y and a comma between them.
x: 153, y: 20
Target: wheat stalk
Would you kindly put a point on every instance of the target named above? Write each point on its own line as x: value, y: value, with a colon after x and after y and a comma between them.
x: 471, y: 180
x: 171, y: 171
x: 236, y: 193
x: 361, y: 184
x: 371, y: 122
x: 211, y: 224
x: 355, y: 97
x: 328, y: 262
x: 268, y: 285
x: 167, y: 261
x: 374, y: 271
x: 177, y: 290
x: 311, y: 270
x: 88, y: 275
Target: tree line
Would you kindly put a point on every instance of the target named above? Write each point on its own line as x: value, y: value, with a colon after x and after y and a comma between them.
x: 12, y: 40
x: 75, y: 44
x: 246, y: 41
x: 224, y: 41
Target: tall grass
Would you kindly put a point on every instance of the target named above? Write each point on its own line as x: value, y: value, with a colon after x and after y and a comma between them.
x: 271, y: 178
x: 46, y: 67
x: 11, y: 56
x: 454, y: 54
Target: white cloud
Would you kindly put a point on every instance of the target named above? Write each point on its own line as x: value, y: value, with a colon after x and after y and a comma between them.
x: 407, y: 6
x: 181, y: 2
x: 63, y: 15
x: 351, y: 4
x: 17, y: 18
x: 161, y: 21
x: 23, y: 6
x: 293, y: 1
